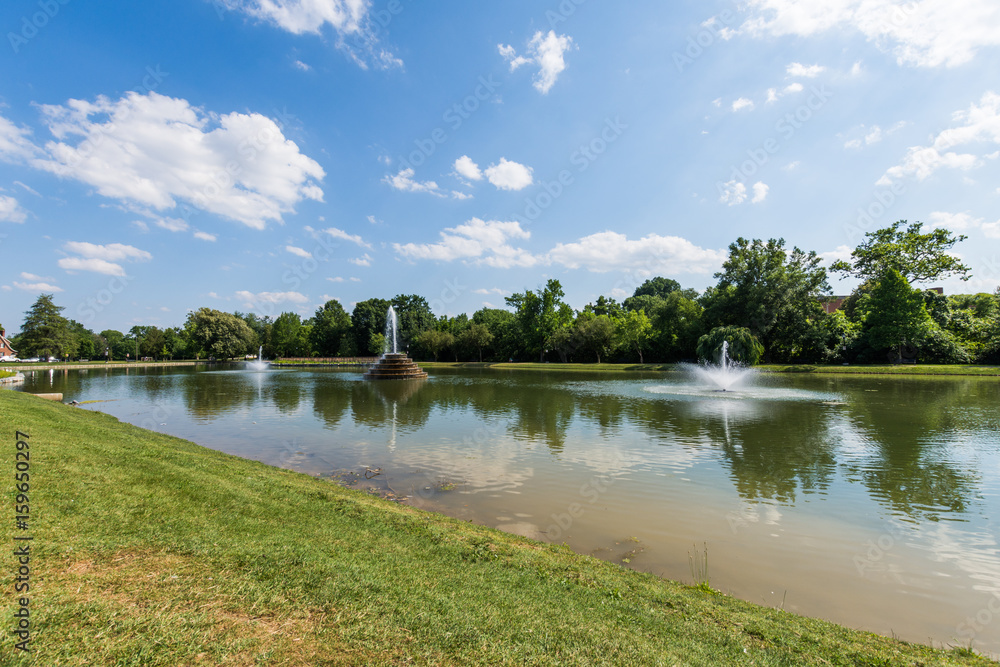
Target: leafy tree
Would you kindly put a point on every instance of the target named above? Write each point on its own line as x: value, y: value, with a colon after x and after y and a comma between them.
x: 604, y: 306
x: 596, y: 335
x: 659, y: 286
x: 219, y: 334
x: 540, y: 314
x: 331, y: 325
x: 476, y: 336
x: 45, y: 331
x: 677, y: 325
x: 413, y: 315
x: 289, y: 337
x: 436, y: 341
x: 894, y: 313
x: 115, y: 344
x: 917, y: 257
x: 743, y: 345
x: 632, y: 330
x: 367, y: 319
x: 773, y: 293
x: 503, y: 325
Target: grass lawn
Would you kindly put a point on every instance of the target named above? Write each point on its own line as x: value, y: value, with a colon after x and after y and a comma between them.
x: 916, y: 369
x: 6, y: 374
x: 150, y: 550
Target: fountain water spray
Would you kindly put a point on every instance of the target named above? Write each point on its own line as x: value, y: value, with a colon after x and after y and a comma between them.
x: 259, y: 364
x: 726, y: 375
x: 391, y: 326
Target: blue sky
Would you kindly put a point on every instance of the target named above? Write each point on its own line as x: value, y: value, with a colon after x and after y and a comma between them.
x: 267, y: 155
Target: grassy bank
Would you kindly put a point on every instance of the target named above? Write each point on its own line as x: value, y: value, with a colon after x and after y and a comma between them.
x: 150, y: 550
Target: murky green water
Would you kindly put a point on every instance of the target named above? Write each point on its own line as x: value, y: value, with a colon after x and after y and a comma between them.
x: 867, y: 501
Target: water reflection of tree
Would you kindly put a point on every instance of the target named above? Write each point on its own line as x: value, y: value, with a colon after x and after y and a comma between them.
x: 910, y: 425
x: 774, y: 449
x: 208, y: 395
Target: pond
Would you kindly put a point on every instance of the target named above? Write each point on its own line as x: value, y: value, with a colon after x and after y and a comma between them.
x: 869, y: 501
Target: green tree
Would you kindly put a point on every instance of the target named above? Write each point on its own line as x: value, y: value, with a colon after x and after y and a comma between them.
x: 596, y: 335
x: 503, y: 325
x: 331, y: 324
x: 743, y: 345
x: 114, y: 344
x: 436, y: 341
x: 902, y: 248
x: 632, y: 330
x: 476, y: 336
x: 894, y: 313
x: 540, y: 314
x: 773, y: 293
x: 659, y: 286
x: 368, y: 319
x: 413, y: 315
x: 45, y: 331
x: 289, y: 337
x: 221, y: 335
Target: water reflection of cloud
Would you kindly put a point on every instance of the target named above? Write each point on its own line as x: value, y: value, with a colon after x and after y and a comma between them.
x: 976, y: 554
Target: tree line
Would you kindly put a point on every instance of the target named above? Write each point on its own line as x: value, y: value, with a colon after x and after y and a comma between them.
x: 768, y: 303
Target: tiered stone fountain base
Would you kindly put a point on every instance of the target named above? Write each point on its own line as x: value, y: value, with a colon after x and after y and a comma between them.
x: 395, y: 366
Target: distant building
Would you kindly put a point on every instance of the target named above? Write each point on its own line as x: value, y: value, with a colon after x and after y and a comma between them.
x: 834, y: 303
x: 6, y: 350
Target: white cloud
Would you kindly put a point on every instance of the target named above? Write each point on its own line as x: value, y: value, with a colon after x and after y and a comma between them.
x: 336, y: 280
x: 476, y: 241
x: 652, y: 254
x: 798, y: 70
x: 298, y: 252
x: 744, y: 103
x: 857, y: 69
x: 160, y: 152
x: 772, y: 95
x: 964, y: 222
x: 93, y: 265
x: 101, y: 258
x: 14, y: 143
x: 991, y: 229
x: 353, y: 238
x: 302, y: 66
x: 839, y: 253
x: 373, y: 220
x: 461, y: 196
x: 760, y: 191
x: 467, y: 169
x: 205, y: 236
x: 306, y: 16
x: 364, y: 260
x: 32, y: 276
x: 509, y: 175
x: 404, y: 182
x: 793, y: 88
x: 250, y: 300
x: 114, y: 252
x: 37, y: 287
x: 924, y: 33
x: 11, y: 211
x: 495, y: 290
x: 548, y: 51
x: 980, y: 124
x: 171, y: 224
x: 355, y: 280
x: 732, y: 193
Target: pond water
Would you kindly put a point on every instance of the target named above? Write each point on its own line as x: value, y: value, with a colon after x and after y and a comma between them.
x: 872, y: 502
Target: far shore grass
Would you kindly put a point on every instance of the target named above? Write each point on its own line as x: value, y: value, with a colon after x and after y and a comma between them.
x: 883, y: 369
x: 151, y: 550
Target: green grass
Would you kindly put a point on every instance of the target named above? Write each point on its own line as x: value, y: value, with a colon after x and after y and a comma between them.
x: 916, y: 369
x: 6, y: 374
x: 150, y: 550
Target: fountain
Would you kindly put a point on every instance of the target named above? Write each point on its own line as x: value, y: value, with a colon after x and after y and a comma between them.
x: 259, y: 364
x: 394, y: 365
x: 726, y: 375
